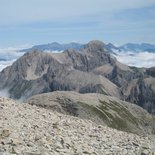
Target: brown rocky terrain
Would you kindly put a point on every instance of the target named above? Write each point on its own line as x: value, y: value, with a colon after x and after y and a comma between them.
x: 31, y: 130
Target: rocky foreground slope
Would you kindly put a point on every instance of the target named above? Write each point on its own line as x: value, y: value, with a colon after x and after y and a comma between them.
x: 32, y: 130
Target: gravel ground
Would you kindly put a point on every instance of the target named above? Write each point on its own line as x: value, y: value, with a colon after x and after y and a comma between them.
x: 31, y: 130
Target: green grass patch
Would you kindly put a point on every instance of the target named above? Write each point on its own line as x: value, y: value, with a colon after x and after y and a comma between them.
x: 113, y: 114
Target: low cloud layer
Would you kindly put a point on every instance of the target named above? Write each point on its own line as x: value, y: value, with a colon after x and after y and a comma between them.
x: 141, y: 59
x: 9, y: 55
x: 4, y: 64
x: 4, y: 93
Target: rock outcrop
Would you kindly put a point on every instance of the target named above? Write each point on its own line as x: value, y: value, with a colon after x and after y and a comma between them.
x: 31, y: 130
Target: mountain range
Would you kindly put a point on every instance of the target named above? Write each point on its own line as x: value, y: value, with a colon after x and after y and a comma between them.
x: 89, y: 70
x: 78, y: 46
x: 138, y: 47
x: 55, y: 47
x: 140, y: 55
x: 132, y: 54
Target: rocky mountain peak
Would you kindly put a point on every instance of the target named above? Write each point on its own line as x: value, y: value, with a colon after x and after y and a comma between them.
x: 96, y: 42
x: 96, y: 46
x: 89, y: 70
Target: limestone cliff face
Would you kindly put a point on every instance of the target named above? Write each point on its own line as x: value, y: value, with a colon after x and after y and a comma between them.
x: 142, y: 93
x: 90, y: 70
x: 39, y: 72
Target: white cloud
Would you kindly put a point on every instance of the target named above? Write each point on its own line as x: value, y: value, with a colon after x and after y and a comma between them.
x: 141, y: 59
x: 4, y: 64
x: 10, y: 54
x: 4, y: 93
x: 18, y: 11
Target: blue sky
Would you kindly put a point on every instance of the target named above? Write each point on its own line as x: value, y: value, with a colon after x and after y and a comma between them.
x: 32, y: 22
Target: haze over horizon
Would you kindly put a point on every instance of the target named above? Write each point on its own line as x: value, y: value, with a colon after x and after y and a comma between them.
x: 37, y: 22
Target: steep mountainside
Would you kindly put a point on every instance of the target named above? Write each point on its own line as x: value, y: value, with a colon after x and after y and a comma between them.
x: 101, y: 109
x: 90, y: 70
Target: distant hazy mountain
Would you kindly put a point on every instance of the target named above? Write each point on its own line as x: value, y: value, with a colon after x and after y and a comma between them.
x: 55, y: 47
x: 77, y: 46
x: 139, y: 55
x: 61, y: 47
x: 138, y: 47
x: 112, y: 48
x: 1, y: 59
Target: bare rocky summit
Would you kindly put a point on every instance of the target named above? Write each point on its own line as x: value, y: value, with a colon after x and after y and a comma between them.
x: 31, y: 130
